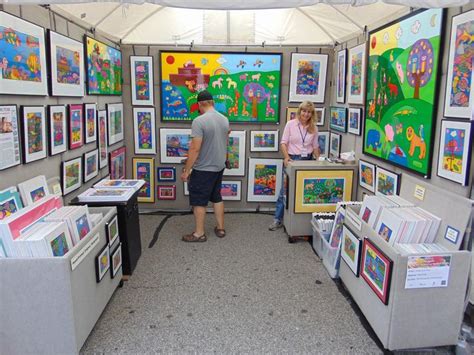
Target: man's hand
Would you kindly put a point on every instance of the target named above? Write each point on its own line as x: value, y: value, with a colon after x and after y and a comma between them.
x: 286, y: 161
x: 184, y: 175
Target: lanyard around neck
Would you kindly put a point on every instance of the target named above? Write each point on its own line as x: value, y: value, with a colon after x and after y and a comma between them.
x: 303, y: 138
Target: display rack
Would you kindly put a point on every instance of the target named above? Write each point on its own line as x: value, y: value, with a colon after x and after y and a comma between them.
x: 424, y: 317
x: 48, y: 308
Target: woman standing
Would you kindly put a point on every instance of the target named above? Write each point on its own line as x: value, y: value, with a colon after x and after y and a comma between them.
x: 299, y: 142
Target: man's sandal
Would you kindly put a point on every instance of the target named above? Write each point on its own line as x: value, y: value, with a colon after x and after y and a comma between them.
x: 192, y: 238
x: 220, y: 233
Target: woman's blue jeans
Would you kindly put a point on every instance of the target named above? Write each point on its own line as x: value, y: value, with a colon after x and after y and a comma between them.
x: 280, y: 204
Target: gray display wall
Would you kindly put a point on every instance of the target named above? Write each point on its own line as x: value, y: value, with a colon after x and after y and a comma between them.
x: 51, y: 166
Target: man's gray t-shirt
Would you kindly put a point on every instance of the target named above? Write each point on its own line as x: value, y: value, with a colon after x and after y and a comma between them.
x: 213, y: 128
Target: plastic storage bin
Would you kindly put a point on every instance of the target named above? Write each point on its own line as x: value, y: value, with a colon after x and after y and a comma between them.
x: 331, y: 258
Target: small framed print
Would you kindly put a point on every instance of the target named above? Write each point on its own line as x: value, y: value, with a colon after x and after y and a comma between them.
x: 367, y: 175
x: 117, y: 163
x: 350, y: 250
x: 112, y: 230
x: 166, y: 192
x: 236, y: 154
x: 90, y: 119
x: 10, y: 203
x: 335, y: 145
x: 33, y: 121
x: 320, y: 112
x: 451, y: 234
x: 33, y: 190
x: 116, y: 260
x: 102, y: 138
x: 144, y: 169
x: 341, y: 76
x: 166, y: 174
x: 355, y: 115
x: 174, y: 144
x: 144, y: 130
x: 71, y: 175
x: 231, y: 190
x: 57, y: 129
x: 91, y: 165
x: 9, y: 136
x: 291, y: 113
x: 264, y: 141
x: 307, y: 77
x: 141, y: 69
x: 338, y: 118
x: 323, y: 143
x: 76, y: 127
x: 115, y: 122
x: 386, y: 182
x: 102, y: 263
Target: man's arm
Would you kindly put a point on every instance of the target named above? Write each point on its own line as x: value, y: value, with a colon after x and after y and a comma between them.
x: 193, y: 153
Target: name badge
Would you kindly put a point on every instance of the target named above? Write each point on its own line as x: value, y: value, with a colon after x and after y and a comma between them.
x: 304, y: 155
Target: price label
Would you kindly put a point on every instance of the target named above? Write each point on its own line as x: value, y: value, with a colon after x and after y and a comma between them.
x: 419, y: 192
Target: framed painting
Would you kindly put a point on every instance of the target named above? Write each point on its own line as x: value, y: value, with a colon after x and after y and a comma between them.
x: 335, y: 238
x: 91, y: 165
x: 291, y: 113
x: 334, y: 145
x: 174, y: 144
x: 102, y: 138
x: 144, y: 169
x: 308, y: 77
x: 23, y: 53
x: 231, y: 190
x: 117, y: 163
x: 33, y: 190
x: 102, y: 263
x: 115, y: 122
x: 76, y: 126
x: 71, y: 175
x: 264, y: 141
x: 90, y: 123
x: 354, y: 120
x: 141, y: 68
x: 320, y: 111
x: 10, y: 202
x: 33, y: 119
x: 350, y: 250
x: 455, y: 151
x: 236, y: 154
x: 338, y: 119
x: 386, y: 182
x: 112, y: 230
x: 166, y: 174
x: 321, y: 190
x: 166, y: 192
x: 376, y: 270
x: 116, y: 260
x: 9, y: 136
x: 104, y: 68
x: 67, y: 65
x: 459, y: 95
x: 341, y: 76
x: 144, y: 130
x: 367, y: 175
x: 265, y: 179
x: 57, y: 127
x: 356, y: 87
x: 245, y: 86
x: 323, y: 142
x: 402, y: 84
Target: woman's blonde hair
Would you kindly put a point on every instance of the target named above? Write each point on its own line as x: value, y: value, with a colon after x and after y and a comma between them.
x: 308, y: 105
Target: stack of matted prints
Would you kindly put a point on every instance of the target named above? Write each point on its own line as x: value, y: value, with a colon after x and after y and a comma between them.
x: 111, y: 191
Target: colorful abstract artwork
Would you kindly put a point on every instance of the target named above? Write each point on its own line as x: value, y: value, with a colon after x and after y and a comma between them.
x: 376, y: 270
x: 367, y: 175
x: 231, y: 190
x: 142, y: 80
x: 455, y: 151
x: 166, y: 192
x: 34, y: 133
x: 386, y: 182
x: 91, y: 165
x: 350, y: 250
x: 402, y: 79
x: 104, y: 68
x: 341, y: 76
x: 174, y: 144
x: 9, y: 136
x: 116, y: 260
x: 102, y: 263
x: 321, y: 190
x: 112, y: 230
x: 354, y: 125
x: 37, y: 194
x: 71, y: 175
x: 22, y: 57
x: 460, y: 82
x: 236, y: 154
x: 356, y: 83
x: 308, y: 77
x: 82, y: 226
x: 76, y: 127
x: 10, y: 202
x: 338, y: 118
x: 67, y: 65
x: 245, y: 86
x: 166, y: 174
x: 117, y: 163
x: 115, y: 123
x: 265, y: 179
x: 264, y: 141
x: 144, y: 169
x: 102, y: 138
x: 57, y: 129
x: 144, y: 130
x: 90, y: 116
x: 59, y: 245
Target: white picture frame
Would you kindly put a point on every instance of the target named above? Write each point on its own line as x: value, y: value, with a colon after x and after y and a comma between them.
x: 351, y: 244
x: 227, y: 186
x: 102, y: 137
x: 33, y: 151
x: 33, y: 190
x: 9, y: 136
x: 264, y: 141
x: 319, y: 61
x: 91, y: 165
x: 57, y: 129
x: 320, y: 115
x: 367, y: 175
x: 354, y: 120
x: 115, y: 122
x: 236, y: 154
x: 386, y: 182
x: 341, y: 76
x: 334, y: 145
x: 174, y: 144
x: 143, y: 121
x: 264, y: 192
x: 357, y: 58
x: 141, y: 82
x: 323, y: 141
x: 90, y: 123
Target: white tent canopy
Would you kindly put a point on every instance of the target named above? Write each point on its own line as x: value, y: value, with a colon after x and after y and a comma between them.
x: 238, y: 22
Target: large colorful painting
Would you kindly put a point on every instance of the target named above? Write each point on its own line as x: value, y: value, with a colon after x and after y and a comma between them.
x: 142, y: 80
x: 455, y: 151
x: 321, y: 190
x: 104, y: 68
x: 356, y: 83
x: 460, y: 82
x: 265, y: 180
x: 401, y: 91
x: 308, y: 77
x: 9, y: 136
x: 144, y: 169
x: 245, y: 86
x: 34, y: 133
x: 236, y: 154
x: 341, y: 76
x: 23, y: 57
x: 67, y: 65
x: 144, y: 130
x: 174, y: 144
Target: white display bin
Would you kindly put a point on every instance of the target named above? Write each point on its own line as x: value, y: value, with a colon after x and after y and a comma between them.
x: 331, y: 258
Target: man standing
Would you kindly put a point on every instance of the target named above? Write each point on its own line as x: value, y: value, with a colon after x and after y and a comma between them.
x: 206, y: 158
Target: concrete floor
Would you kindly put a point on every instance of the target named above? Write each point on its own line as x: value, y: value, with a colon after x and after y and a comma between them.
x: 250, y: 292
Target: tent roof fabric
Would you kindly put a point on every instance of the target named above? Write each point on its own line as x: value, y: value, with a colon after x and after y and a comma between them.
x: 243, y: 22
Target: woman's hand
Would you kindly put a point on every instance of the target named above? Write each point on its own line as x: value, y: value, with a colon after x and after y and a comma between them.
x: 286, y: 161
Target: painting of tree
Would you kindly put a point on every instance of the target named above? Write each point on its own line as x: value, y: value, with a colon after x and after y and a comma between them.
x: 420, y: 65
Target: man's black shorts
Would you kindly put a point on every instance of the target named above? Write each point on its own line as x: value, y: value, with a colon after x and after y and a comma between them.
x: 205, y: 186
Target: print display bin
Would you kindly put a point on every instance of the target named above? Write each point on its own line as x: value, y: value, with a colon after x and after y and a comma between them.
x: 317, y: 240
x: 416, y: 318
x: 48, y: 308
x: 331, y: 258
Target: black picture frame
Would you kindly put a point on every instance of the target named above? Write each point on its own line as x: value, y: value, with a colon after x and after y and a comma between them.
x: 104, y: 253
x: 335, y: 126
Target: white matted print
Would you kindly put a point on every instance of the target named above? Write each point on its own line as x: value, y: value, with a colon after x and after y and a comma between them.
x: 264, y: 141
x: 90, y: 126
x: 91, y: 165
x: 236, y: 154
x: 115, y: 122
x: 308, y: 77
x: 174, y: 144
x: 144, y: 130
x: 367, y: 175
x: 33, y: 190
x: 341, y: 76
x: 334, y: 145
x: 351, y: 250
x: 231, y: 190
x: 9, y: 136
x: 33, y: 120
x: 356, y: 83
x: 57, y: 129
x: 323, y: 142
x: 265, y: 180
x: 386, y: 182
x: 102, y: 138
x: 71, y: 175
x: 141, y: 70
x: 354, y: 122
